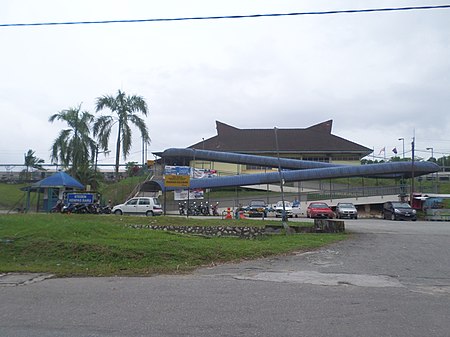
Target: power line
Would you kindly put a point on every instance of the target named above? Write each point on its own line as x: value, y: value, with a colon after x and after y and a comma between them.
x: 346, y: 11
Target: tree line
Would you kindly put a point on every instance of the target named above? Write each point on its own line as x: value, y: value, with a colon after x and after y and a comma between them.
x: 76, y: 148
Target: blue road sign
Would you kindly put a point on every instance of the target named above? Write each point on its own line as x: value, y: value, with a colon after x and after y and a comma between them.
x: 80, y: 198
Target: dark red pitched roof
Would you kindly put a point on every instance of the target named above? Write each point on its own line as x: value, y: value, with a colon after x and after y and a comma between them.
x: 314, y: 139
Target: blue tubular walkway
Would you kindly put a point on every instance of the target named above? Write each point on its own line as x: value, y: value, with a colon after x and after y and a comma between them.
x: 311, y: 171
x: 238, y: 158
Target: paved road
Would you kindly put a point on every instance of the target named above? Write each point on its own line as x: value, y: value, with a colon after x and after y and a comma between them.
x: 389, y: 279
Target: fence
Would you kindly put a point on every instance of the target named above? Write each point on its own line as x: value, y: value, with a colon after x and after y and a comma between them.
x: 240, y: 197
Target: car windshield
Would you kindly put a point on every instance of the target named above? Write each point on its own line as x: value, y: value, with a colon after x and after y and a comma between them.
x: 400, y: 205
x: 318, y: 206
x: 346, y: 205
x: 286, y: 204
x: 257, y: 203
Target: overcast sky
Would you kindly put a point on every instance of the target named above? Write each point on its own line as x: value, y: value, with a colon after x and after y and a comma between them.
x: 378, y: 76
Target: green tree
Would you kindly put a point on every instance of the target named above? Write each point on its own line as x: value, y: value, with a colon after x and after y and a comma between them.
x: 88, y: 175
x: 125, y: 109
x: 32, y: 162
x: 132, y: 168
x: 444, y: 162
x: 74, y: 145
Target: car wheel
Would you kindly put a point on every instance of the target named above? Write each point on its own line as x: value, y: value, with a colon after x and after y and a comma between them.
x: 149, y: 213
x: 356, y: 217
x: 393, y: 216
x: 118, y: 212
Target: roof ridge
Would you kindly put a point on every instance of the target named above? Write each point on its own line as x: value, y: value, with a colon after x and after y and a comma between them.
x: 322, y: 127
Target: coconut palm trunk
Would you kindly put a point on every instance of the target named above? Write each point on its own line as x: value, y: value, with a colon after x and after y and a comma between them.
x: 118, y: 142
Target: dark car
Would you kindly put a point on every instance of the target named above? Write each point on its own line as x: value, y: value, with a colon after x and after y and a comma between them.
x: 319, y: 210
x: 395, y: 210
x: 256, y: 208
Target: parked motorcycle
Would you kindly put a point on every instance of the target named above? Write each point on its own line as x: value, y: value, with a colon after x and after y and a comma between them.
x: 214, y: 209
x: 204, y: 209
x: 75, y: 208
x: 58, y: 207
x: 182, y: 208
x: 68, y: 208
x: 193, y: 209
x: 104, y: 209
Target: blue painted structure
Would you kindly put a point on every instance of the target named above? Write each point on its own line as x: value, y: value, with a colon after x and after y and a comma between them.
x: 293, y: 170
x: 52, y: 188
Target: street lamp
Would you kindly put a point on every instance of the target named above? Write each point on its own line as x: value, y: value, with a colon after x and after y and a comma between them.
x: 403, y: 140
x: 432, y: 154
x: 432, y: 175
x: 203, y: 148
x: 284, y: 217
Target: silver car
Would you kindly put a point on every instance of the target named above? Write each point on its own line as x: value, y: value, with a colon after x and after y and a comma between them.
x: 287, y: 208
x: 141, y: 205
x: 346, y: 210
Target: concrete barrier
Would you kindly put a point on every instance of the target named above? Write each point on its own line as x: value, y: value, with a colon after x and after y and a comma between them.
x: 440, y: 214
x: 329, y: 226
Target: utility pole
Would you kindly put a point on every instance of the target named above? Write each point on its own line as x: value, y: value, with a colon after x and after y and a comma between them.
x: 284, y: 218
x: 403, y: 141
x: 412, y: 170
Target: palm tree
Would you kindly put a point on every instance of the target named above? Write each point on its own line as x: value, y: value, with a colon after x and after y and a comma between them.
x: 32, y: 162
x: 74, y: 144
x: 125, y: 109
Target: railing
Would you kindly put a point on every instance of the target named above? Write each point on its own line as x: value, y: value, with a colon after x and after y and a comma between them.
x: 244, y: 198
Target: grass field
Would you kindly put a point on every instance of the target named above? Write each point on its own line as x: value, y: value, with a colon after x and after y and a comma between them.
x: 11, y: 196
x: 95, y: 245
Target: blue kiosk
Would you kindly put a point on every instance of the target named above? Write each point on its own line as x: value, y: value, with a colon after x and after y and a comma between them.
x: 52, y: 188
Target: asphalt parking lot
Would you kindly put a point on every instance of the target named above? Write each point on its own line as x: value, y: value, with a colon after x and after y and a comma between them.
x: 391, y: 278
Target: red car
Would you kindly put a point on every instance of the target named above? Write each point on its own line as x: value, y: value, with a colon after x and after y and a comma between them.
x: 319, y: 210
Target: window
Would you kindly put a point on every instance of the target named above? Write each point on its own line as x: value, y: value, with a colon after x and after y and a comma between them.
x: 256, y: 167
x: 132, y: 202
x: 144, y: 201
x: 320, y: 159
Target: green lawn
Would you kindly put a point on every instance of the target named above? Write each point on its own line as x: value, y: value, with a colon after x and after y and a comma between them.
x: 11, y: 196
x: 95, y: 245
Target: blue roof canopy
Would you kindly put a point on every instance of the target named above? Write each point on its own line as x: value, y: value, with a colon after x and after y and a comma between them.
x: 59, y: 179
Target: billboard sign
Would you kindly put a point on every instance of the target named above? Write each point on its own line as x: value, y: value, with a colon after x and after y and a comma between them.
x: 177, y: 170
x: 184, y: 194
x: 176, y: 181
x: 177, y: 176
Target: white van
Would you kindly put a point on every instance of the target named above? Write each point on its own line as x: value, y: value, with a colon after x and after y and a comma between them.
x: 141, y: 205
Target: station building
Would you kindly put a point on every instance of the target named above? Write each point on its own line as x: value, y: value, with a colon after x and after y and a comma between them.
x: 314, y: 143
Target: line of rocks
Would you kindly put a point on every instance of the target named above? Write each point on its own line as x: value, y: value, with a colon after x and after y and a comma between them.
x: 219, y: 231
x: 248, y: 232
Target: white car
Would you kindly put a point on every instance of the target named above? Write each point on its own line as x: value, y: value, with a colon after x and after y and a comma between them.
x: 279, y: 209
x: 140, y: 205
